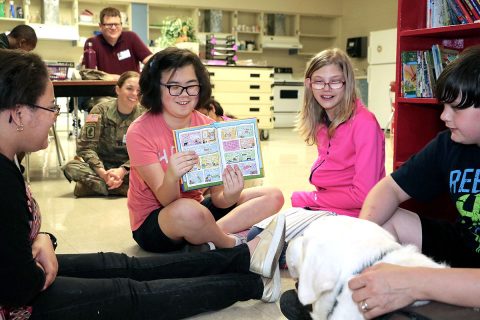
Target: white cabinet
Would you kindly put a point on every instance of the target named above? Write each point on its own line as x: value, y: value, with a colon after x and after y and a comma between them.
x: 317, y: 33
x: 245, y: 92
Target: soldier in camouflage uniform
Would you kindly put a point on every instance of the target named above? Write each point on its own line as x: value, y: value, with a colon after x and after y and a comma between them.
x: 102, y: 165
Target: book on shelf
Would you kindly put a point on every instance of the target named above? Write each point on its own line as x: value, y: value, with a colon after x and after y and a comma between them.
x: 220, y: 144
x: 430, y: 71
x: 471, y: 11
x: 442, y: 56
x: 455, y: 14
x: 438, y: 14
x: 409, y: 74
x: 420, y: 79
x: 476, y: 6
x: 463, y: 9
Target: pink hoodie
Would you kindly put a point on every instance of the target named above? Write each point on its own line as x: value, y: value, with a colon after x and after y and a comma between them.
x: 348, y: 165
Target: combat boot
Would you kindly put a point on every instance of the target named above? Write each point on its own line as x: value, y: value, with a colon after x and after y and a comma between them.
x: 90, y: 187
x: 81, y: 190
x: 120, y: 191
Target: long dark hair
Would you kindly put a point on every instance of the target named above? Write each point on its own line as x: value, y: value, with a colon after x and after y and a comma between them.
x: 23, y: 78
x: 165, y: 60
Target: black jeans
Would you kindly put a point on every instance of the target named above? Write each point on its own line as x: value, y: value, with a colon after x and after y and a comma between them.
x: 170, y: 286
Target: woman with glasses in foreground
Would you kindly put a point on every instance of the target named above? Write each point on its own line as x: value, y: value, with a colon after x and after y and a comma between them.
x: 37, y: 283
x: 163, y: 217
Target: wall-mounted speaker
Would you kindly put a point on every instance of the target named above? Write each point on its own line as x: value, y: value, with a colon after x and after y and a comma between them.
x: 357, y: 47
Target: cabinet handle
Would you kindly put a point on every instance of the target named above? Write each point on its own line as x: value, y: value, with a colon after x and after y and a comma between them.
x: 255, y: 98
x: 254, y: 109
x: 254, y: 75
x: 213, y: 86
x: 254, y: 86
x: 212, y: 74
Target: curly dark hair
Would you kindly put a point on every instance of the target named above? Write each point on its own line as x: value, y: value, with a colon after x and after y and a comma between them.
x: 461, y: 78
x: 166, y: 60
x: 23, y: 78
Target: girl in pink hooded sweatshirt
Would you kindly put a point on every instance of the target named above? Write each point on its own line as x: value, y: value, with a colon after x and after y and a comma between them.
x: 350, y: 143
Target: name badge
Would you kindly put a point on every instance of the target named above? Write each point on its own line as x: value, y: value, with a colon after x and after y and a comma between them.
x: 124, y: 140
x: 125, y: 54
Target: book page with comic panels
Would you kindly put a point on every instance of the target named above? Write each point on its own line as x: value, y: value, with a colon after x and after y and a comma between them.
x: 218, y: 145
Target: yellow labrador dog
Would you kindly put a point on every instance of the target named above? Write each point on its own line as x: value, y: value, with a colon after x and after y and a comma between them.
x: 335, y: 248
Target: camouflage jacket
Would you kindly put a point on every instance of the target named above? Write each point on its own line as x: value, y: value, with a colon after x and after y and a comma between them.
x: 102, y: 141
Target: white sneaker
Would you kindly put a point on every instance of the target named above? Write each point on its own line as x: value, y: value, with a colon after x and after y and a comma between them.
x: 272, y: 287
x: 264, y: 259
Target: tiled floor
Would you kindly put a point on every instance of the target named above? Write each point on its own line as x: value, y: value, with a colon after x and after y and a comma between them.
x: 101, y: 224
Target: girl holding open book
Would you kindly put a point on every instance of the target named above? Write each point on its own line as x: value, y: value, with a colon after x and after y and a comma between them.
x: 163, y: 217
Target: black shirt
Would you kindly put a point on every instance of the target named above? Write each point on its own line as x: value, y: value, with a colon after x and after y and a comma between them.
x: 446, y: 166
x: 20, y: 278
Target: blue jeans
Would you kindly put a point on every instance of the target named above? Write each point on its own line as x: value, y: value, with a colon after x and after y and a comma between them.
x: 169, y: 286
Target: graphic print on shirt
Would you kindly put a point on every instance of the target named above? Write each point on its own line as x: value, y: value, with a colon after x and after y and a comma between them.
x: 35, y: 217
x: 163, y: 156
x: 465, y: 185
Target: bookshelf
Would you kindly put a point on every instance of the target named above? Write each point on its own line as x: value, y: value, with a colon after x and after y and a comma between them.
x: 417, y: 120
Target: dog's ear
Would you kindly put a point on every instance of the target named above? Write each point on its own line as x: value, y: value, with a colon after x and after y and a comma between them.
x: 318, y: 272
x: 294, y: 256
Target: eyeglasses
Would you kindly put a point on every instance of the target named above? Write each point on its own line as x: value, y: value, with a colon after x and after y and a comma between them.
x: 55, y: 108
x: 112, y: 25
x: 176, y: 90
x: 335, y: 84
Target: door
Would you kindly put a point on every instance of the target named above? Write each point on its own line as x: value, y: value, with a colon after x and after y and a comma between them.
x: 380, y: 72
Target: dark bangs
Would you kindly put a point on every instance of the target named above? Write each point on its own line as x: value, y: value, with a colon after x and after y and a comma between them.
x: 461, y: 78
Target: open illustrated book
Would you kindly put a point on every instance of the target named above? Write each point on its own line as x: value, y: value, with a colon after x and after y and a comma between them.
x: 220, y: 144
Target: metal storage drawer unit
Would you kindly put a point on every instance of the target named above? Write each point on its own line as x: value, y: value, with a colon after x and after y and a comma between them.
x: 245, y: 92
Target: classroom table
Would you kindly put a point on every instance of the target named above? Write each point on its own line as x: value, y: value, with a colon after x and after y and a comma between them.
x: 82, y: 88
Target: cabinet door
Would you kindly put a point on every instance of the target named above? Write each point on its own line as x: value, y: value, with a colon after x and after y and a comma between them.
x: 279, y: 24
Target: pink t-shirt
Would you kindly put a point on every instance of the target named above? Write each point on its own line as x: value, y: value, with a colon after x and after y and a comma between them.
x: 150, y: 140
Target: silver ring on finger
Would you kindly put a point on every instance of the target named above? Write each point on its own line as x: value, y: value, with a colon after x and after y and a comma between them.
x: 364, y: 305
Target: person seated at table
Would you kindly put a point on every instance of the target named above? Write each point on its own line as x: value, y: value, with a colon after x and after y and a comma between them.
x: 21, y: 37
x: 117, y: 51
x: 102, y: 165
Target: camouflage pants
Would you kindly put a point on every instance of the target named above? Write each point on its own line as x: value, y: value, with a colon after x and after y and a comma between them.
x: 88, y: 183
